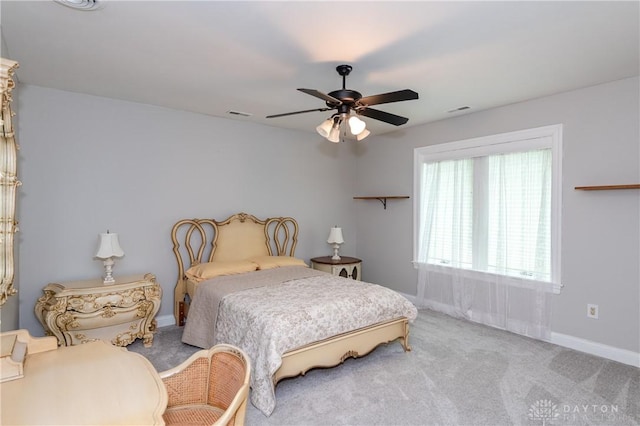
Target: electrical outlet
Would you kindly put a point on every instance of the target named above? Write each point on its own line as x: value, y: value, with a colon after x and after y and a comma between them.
x: 592, y: 311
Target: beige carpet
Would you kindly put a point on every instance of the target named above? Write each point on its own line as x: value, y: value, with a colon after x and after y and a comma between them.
x: 459, y: 373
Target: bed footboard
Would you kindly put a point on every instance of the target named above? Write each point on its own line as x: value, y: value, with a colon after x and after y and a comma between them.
x: 335, y: 350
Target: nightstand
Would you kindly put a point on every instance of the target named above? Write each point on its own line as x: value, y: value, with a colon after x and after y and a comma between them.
x: 347, y: 267
x: 84, y: 311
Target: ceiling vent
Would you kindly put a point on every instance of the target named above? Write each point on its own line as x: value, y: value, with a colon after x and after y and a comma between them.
x: 86, y: 5
x: 239, y: 113
x: 462, y: 108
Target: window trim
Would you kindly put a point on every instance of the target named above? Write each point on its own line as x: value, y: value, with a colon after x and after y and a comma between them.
x: 517, y: 141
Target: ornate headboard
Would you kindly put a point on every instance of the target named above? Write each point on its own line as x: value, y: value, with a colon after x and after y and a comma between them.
x: 241, y: 236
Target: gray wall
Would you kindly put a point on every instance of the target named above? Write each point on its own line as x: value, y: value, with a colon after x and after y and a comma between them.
x: 600, y: 230
x: 89, y: 164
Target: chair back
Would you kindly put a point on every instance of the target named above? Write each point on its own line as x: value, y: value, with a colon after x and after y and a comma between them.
x: 218, y: 378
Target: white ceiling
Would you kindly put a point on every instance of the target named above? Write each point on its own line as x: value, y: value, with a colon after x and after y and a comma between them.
x: 210, y: 57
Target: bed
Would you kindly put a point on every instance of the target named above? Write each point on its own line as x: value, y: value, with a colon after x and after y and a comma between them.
x: 239, y: 282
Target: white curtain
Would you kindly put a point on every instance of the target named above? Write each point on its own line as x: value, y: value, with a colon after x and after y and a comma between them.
x: 484, y: 242
x: 492, y: 300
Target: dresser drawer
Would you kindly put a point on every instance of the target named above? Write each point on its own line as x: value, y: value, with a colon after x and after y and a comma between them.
x: 104, y: 317
x: 118, y: 334
x: 99, y: 301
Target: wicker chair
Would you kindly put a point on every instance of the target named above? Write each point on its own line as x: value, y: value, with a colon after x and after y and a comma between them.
x: 209, y: 388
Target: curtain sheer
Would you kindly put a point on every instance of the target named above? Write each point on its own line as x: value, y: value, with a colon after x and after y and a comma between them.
x: 485, y: 239
x: 492, y: 300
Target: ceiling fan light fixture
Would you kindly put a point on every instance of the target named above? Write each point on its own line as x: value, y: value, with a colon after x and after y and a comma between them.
x: 356, y: 125
x: 363, y: 135
x: 325, y: 128
x: 350, y: 103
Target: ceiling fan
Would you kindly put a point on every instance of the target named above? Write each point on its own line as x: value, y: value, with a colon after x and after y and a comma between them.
x: 349, y: 104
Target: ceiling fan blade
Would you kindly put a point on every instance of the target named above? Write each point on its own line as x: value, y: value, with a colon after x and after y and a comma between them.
x: 323, y: 96
x: 385, y: 98
x: 396, y: 120
x: 297, y: 112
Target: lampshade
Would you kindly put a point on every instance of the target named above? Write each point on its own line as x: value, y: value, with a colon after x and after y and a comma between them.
x: 334, y: 134
x: 335, y: 236
x: 356, y: 125
x: 363, y: 134
x: 325, y: 127
x: 109, y: 246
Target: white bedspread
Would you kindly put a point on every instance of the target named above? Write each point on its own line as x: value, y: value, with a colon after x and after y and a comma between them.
x: 267, y: 321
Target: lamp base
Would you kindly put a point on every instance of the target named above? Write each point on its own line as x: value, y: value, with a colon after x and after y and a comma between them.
x: 335, y: 252
x: 108, y: 272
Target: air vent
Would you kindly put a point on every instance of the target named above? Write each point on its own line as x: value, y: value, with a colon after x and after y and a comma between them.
x: 462, y: 108
x: 85, y: 5
x: 239, y: 113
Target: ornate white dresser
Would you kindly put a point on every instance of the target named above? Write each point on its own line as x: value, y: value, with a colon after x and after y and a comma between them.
x: 84, y: 311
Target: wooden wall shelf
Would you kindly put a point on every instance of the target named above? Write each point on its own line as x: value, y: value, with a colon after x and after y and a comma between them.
x: 607, y: 187
x: 383, y: 198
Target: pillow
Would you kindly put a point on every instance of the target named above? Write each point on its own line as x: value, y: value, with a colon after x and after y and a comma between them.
x: 269, y: 262
x: 204, y: 271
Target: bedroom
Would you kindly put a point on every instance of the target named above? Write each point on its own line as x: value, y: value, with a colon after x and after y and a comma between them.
x: 90, y: 163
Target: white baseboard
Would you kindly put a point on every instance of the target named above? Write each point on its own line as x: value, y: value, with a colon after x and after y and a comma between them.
x: 583, y: 345
x: 165, y: 320
x: 594, y: 348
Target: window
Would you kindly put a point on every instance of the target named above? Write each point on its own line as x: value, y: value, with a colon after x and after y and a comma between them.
x: 491, y: 206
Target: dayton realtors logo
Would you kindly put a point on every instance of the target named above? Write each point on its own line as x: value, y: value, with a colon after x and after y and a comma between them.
x: 545, y: 412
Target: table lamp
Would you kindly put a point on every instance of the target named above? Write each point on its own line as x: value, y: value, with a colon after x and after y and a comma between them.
x: 335, y: 238
x: 109, y: 248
